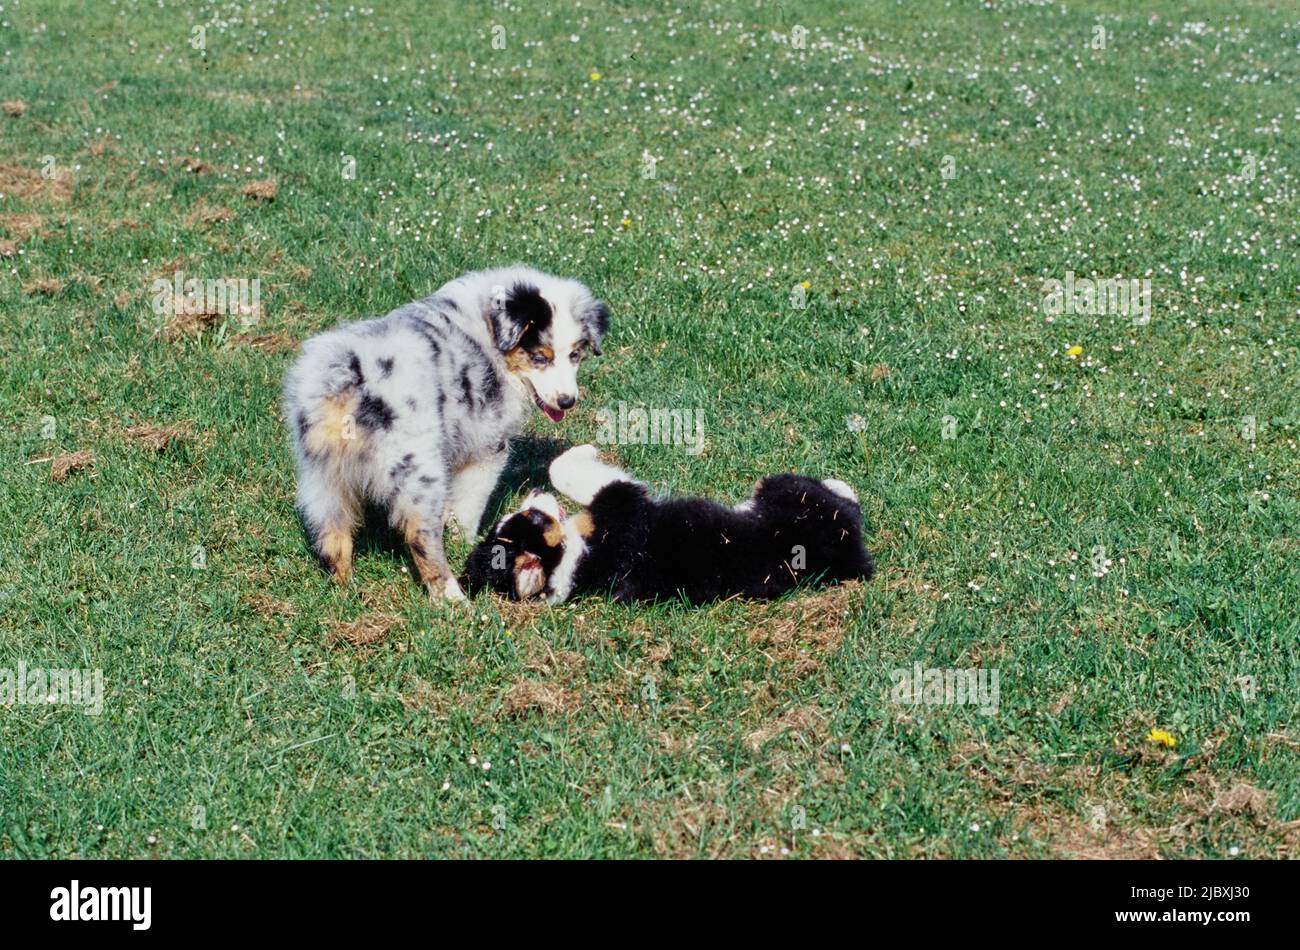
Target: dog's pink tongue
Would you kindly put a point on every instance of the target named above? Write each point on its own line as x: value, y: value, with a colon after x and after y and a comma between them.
x: 555, y: 415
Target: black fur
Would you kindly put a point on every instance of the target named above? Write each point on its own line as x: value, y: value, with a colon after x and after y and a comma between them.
x: 375, y: 413
x: 522, y: 318
x: 797, y: 532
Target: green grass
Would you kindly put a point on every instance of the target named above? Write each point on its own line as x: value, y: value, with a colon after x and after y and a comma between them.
x: 736, y: 729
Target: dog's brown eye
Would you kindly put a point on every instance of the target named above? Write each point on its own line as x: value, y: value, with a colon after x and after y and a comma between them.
x: 539, y: 358
x: 576, y: 356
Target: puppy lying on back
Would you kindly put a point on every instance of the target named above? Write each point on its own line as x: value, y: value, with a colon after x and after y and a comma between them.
x: 793, y: 530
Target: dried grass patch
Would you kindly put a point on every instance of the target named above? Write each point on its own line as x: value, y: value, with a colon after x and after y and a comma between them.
x: 801, y: 719
x: 264, y: 190
x: 26, y: 183
x: 44, y: 287
x: 365, y: 631
x: 204, y: 213
x: 800, y: 628
x: 13, y: 107
x: 267, y: 606
x: 419, y: 695
x: 184, y: 324
x: 1105, y: 823
x: 266, y: 342
x: 527, y: 696
x: 519, y: 614
x: 65, y: 465
x: 159, y: 438
x: 18, y: 227
x: 1245, y: 798
x: 561, y: 665
x: 680, y: 827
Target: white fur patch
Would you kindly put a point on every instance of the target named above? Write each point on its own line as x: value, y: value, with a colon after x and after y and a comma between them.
x: 840, y: 488
x: 580, y: 474
x: 575, y: 546
x: 530, y: 580
x: 542, y: 501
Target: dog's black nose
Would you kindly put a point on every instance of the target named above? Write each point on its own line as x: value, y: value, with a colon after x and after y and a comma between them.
x: 566, y: 402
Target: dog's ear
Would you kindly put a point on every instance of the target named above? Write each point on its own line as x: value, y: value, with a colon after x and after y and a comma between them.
x: 515, y: 310
x: 595, y: 323
x: 506, y: 330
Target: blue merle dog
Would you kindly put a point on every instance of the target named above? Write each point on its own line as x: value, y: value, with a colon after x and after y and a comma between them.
x: 414, y: 411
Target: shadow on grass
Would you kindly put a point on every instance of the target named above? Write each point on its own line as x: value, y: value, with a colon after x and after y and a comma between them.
x: 526, y: 468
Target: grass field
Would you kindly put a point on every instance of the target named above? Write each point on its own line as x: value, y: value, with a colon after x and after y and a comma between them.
x: 831, y: 243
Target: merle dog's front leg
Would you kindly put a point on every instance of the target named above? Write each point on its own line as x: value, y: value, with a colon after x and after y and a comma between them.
x: 471, y: 487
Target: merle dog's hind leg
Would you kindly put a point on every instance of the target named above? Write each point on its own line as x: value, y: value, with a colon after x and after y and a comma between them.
x: 331, y: 511
x: 419, y: 502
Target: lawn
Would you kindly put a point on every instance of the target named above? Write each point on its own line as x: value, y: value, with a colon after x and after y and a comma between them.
x: 829, y: 237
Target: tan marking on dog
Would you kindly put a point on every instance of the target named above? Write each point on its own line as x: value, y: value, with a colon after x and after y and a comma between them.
x: 520, y: 360
x: 583, y: 524
x: 432, y: 573
x: 517, y: 361
x: 336, y: 552
x: 554, y: 534
x: 336, y: 430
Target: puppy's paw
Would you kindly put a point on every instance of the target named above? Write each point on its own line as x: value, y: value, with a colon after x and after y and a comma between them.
x: 576, y: 458
x: 451, y: 590
x: 580, y: 474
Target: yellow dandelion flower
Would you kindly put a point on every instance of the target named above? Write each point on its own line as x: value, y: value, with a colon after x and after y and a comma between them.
x: 627, y: 222
x: 595, y: 76
x: 1075, y: 350
x: 1160, y: 737
x: 806, y: 285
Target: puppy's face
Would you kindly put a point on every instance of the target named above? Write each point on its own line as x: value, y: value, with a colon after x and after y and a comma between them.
x: 545, y: 333
x: 518, y: 555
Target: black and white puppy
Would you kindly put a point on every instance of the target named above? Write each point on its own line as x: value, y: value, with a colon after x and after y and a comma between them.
x: 414, y: 411
x: 793, y: 530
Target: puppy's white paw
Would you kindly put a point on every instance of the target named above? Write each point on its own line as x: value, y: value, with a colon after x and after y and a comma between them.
x: 840, y: 488
x: 580, y: 456
x: 451, y: 590
x: 579, y: 473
